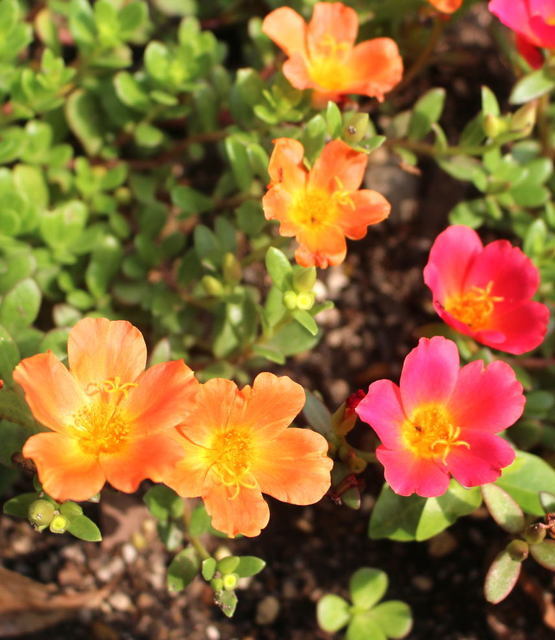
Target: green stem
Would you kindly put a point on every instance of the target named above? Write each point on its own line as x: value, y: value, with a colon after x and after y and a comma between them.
x: 435, y: 151
x: 420, y: 63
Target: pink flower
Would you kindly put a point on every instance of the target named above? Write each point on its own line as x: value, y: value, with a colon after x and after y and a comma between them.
x: 442, y: 420
x: 533, y: 21
x: 485, y: 292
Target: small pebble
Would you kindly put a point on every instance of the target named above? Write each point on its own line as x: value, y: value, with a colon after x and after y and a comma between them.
x: 423, y: 583
x: 120, y: 601
x: 212, y: 633
x: 267, y: 610
x: 129, y: 553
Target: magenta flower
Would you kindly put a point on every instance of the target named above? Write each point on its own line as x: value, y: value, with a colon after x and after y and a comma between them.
x: 442, y: 420
x: 485, y: 292
x: 533, y: 21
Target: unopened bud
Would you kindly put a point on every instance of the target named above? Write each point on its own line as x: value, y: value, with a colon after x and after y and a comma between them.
x: 123, y: 195
x: 518, y: 550
x: 305, y: 300
x: 493, y: 126
x: 230, y: 581
x: 58, y: 524
x: 354, y: 399
x: 524, y: 119
x: 212, y: 286
x: 535, y: 533
x: 41, y: 513
x: 290, y: 300
x: 304, y: 278
x: 232, y: 269
x: 356, y: 126
x: 217, y: 584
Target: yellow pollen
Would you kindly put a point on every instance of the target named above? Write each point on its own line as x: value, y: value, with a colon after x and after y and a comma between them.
x: 112, y: 385
x: 342, y: 196
x: 230, y: 456
x: 327, y: 67
x: 473, y: 307
x: 313, y: 208
x: 430, y: 432
x: 100, y: 427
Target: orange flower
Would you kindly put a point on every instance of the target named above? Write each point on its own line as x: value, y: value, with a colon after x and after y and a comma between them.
x: 446, y: 6
x: 236, y: 445
x: 322, y: 206
x: 322, y: 55
x: 109, y: 419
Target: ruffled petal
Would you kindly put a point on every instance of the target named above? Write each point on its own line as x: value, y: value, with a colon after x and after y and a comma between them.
x: 51, y: 391
x: 163, y: 397
x: 369, y: 207
x: 100, y: 349
x: 151, y: 457
x: 65, y: 471
x: 486, y: 399
x: 189, y: 476
x: 338, y: 168
x: 246, y: 514
x: 375, y: 67
x: 382, y: 409
x: 331, y: 20
x: 482, y: 462
x: 287, y: 29
x: 271, y: 405
x: 321, y: 247
x: 451, y: 256
x: 407, y: 474
x: 519, y: 330
x: 286, y: 164
x: 294, y: 466
x: 276, y: 204
x: 430, y: 373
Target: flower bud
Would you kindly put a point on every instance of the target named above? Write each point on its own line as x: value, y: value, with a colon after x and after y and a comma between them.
x: 58, y: 524
x: 493, y: 126
x: 217, y: 584
x: 304, y: 278
x: 212, y: 286
x: 290, y: 300
x: 305, y: 300
x: 230, y: 581
x: 41, y: 513
x: 356, y: 126
x: 123, y: 195
x: 518, y: 550
x: 524, y: 119
x: 535, y: 533
x: 232, y: 269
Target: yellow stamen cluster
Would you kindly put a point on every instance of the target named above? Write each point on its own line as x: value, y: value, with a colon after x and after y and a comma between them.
x: 315, y: 208
x: 474, y: 306
x: 327, y: 67
x: 230, y: 456
x: 430, y: 432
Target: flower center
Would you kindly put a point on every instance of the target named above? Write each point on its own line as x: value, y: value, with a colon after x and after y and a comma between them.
x: 327, y: 66
x: 230, y: 455
x: 100, y: 426
x: 430, y: 432
x: 315, y: 208
x: 473, y: 307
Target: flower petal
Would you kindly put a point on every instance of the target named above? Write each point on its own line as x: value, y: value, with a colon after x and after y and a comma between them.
x: 51, y: 391
x: 65, y: 471
x: 271, y: 405
x: 370, y: 207
x: 190, y: 475
x: 246, y: 514
x: 321, y: 247
x: 482, y: 463
x: 100, y: 349
x: 486, y: 399
x: 286, y: 164
x: 338, y: 168
x: 451, y: 256
x: 334, y: 20
x: 294, y: 466
x: 407, y: 474
x: 297, y: 72
x: 446, y: 6
x: 164, y: 395
x: 530, y: 52
x: 521, y: 329
x: 382, y: 409
x: 151, y: 457
x: 375, y: 67
x: 429, y: 374
x: 287, y: 29
x: 276, y: 204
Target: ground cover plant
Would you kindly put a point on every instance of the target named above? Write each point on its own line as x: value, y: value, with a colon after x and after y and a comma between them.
x: 212, y: 308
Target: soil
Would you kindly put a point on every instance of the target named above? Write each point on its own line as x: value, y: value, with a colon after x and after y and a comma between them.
x: 381, y: 302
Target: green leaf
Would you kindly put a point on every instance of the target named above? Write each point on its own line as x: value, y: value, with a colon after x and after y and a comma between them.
x: 306, y: 320
x: 501, y: 577
x: 490, y: 105
x: 317, y: 414
x: 84, y: 528
x: 533, y: 86
x: 200, y: 521
x: 228, y: 564
x: 535, y: 238
x: 292, y: 339
x: 19, y: 506
x: 84, y: 117
x: 249, y: 566
x: 227, y: 601
x: 364, y: 627
x: 189, y: 200
x: 334, y: 120
x: 503, y: 509
x: 182, y: 570
x: 14, y: 408
x: 333, y: 612
x: 208, y: 568
x: 279, y: 268
x: 426, y: 112
x: 9, y: 355
x: 544, y: 554
x: 105, y: 262
x: 547, y: 501
x: 393, y: 617
x: 270, y: 354
x: 21, y: 305
x: 239, y: 162
x: 367, y: 587
x: 163, y: 503
x: 130, y: 92
x: 525, y: 478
